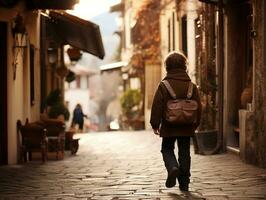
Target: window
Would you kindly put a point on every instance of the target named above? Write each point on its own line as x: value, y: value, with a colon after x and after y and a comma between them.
x: 169, y: 35
x: 184, y: 34
x: 173, y: 24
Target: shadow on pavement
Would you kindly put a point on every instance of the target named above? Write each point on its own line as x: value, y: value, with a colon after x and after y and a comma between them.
x: 185, y: 195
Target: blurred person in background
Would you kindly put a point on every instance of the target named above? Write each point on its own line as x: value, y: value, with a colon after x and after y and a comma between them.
x: 78, y: 118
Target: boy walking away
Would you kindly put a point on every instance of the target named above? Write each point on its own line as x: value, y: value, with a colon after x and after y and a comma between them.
x: 176, y: 87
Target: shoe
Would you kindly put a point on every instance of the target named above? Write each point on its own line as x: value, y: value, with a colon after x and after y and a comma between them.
x: 183, y: 188
x: 171, y: 178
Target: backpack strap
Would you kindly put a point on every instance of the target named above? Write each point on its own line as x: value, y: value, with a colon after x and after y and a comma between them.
x: 190, y: 90
x: 169, y: 88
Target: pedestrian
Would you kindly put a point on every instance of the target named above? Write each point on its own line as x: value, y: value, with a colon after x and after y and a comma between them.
x: 78, y: 117
x: 177, y: 77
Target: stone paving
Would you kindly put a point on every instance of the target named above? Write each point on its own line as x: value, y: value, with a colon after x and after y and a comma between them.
x: 128, y: 165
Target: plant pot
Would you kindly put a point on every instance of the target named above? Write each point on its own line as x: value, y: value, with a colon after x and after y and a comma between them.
x: 74, y: 54
x: 70, y: 77
x: 206, y: 141
x: 246, y: 97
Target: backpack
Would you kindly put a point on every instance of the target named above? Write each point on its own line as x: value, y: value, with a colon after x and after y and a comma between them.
x: 180, y: 111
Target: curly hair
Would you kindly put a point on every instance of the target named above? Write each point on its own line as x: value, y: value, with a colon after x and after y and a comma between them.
x: 176, y: 60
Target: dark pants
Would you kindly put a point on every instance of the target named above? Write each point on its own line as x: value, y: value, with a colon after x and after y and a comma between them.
x: 80, y: 123
x: 184, y: 160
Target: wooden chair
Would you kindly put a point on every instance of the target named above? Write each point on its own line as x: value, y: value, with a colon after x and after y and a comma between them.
x: 33, y: 139
x: 55, y: 136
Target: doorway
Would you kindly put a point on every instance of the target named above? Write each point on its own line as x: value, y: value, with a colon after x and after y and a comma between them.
x: 3, y: 93
x: 239, y: 67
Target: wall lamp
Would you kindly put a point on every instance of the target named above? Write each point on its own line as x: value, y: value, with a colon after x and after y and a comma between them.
x: 20, y: 40
x: 19, y: 32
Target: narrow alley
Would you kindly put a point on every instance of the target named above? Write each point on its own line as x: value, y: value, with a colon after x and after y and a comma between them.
x: 128, y: 165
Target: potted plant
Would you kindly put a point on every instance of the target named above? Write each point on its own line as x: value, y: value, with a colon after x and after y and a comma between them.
x: 74, y: 54
x: 206, y: 134
x: 70, y: 77
x: 131, y: 108
x: 208, y: 140
x: 55, y: 106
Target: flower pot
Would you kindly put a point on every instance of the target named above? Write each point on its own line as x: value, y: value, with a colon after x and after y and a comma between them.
x: 74, y: 54
x: 70, y: 77
x: 206, y: 141
x: 246, y: 97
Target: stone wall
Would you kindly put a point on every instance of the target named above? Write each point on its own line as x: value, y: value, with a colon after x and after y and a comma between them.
x: 260, y: 80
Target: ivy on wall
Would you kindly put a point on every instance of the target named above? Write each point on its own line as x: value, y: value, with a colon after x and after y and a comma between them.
x: 146, y: 33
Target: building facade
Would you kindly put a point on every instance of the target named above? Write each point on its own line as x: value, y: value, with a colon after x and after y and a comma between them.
x: 225, y: 44
x: 228, y: 49
x: 32, y: 62
x: 140, y: 49
x: 253, y: 120
x: 20, y: 71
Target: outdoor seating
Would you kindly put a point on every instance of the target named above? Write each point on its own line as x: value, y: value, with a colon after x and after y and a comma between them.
x: 55, y: 133
x: 47, y: 135
x: 33, y: 139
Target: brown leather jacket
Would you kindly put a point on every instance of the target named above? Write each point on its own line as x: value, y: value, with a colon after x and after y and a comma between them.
x: 179, y: 80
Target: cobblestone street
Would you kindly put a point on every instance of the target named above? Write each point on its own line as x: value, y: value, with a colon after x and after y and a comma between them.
x: 128, y: 165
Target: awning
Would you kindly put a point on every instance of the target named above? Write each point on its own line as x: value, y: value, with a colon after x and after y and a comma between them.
x: 77, y: 32
x: 51, y: 4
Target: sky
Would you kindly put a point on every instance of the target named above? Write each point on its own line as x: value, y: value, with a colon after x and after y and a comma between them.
x: 88, y: 9
x: 97, y: 11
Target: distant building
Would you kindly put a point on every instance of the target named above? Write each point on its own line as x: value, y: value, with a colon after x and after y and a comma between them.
x: 144, y: 63
x: 115, y: 87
